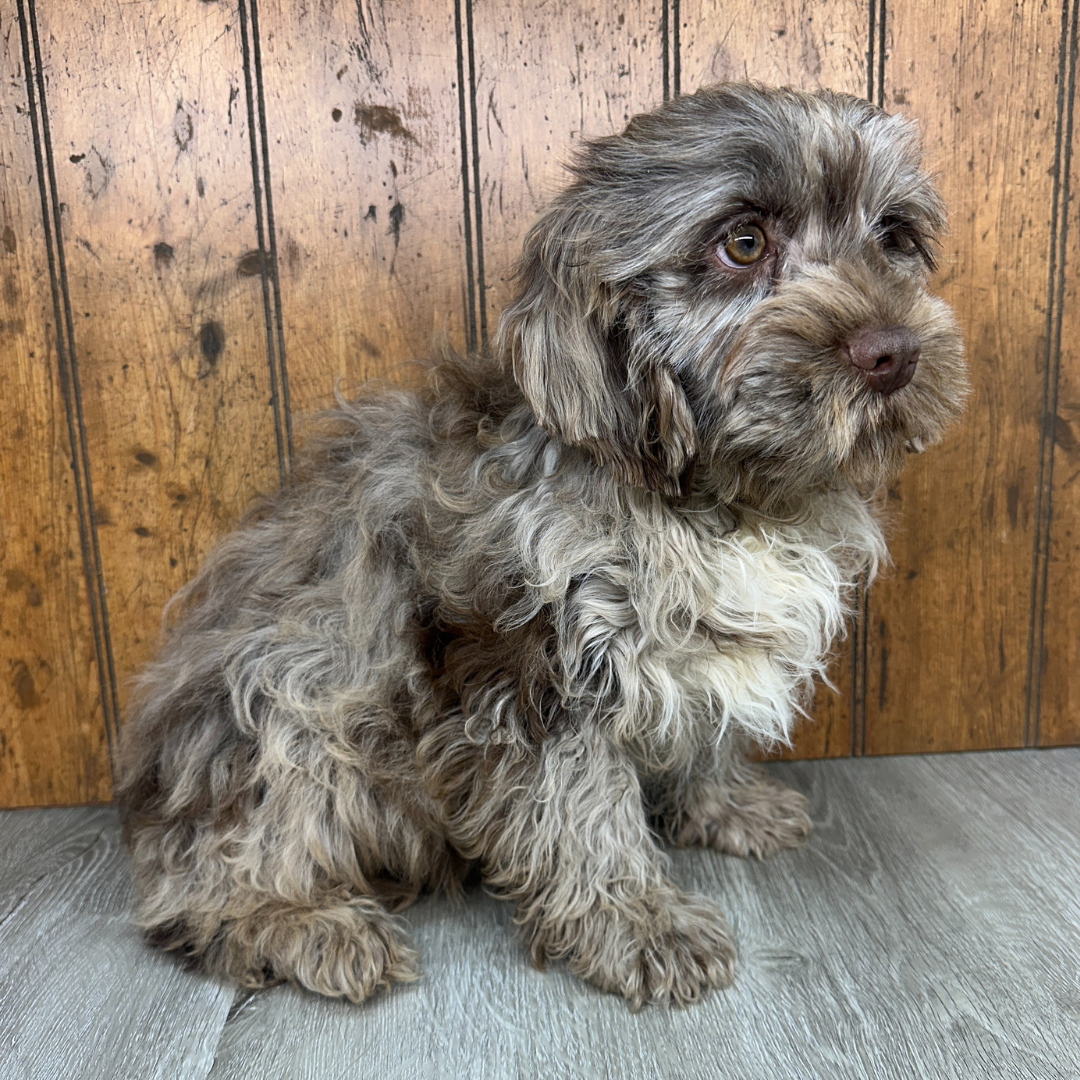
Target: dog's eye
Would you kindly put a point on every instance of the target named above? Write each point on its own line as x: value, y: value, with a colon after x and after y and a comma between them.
x: 898, y: 236
x: 744, y: 247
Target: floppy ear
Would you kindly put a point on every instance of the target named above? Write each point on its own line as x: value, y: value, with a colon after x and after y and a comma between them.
x: 579, y: 362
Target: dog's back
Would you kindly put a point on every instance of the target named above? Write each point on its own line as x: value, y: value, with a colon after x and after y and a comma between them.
x: 276, y: 723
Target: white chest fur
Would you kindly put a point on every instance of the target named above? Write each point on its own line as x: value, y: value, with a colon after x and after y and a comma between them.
x: 671, y: 634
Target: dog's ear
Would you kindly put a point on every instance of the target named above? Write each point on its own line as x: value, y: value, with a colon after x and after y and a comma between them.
x: 581, y: 361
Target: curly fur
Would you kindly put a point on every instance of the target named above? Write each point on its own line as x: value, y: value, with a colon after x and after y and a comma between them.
x: 527, y: 618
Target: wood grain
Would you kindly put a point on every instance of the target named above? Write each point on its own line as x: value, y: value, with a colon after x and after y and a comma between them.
x: 153, y: 172
x: 80, y: 993
x: 36, y: 843
x: 546, y: 77
x: 948, y: 628
x: 362, y: 112
x: 787, y: 43
x: 929, y: 927
x: 53, y: 747
x: 1057, y: 698
x: 906, y: 938
x: 781, y: 42
x: 401, y: 192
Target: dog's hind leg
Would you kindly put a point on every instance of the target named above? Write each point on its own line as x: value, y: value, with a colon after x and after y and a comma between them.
x: 728, y: 804
x: 280, y: 878
x: 261, y: 909
x: 346, y: 946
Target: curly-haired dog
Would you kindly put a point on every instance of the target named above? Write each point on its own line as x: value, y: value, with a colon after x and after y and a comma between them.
x: 526, y: 619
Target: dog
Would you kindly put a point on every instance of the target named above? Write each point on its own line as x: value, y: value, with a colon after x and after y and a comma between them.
x: 527, y: 621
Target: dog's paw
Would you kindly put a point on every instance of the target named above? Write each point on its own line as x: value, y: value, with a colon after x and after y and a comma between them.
x: 666, y: 950
x: 757, y: 817
x: 348, y: 948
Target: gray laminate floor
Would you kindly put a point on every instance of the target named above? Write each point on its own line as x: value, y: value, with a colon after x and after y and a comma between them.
x: 929, y: 928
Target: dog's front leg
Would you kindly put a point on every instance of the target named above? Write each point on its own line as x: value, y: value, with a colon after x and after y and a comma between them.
x: 728, y: 804
x: 564, y: 834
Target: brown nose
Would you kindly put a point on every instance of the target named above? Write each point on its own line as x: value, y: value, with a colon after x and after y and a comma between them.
x: 886, y: 359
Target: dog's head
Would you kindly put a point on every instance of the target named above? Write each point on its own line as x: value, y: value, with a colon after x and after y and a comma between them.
x: 737, y: 283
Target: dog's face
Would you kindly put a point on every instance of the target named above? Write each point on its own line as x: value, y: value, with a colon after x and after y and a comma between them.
x: 737, y: 283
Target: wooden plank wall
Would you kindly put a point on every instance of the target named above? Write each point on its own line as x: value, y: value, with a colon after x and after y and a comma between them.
x: 212, y: 213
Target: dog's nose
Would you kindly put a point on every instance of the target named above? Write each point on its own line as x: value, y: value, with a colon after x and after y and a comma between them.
x: 885, y: 358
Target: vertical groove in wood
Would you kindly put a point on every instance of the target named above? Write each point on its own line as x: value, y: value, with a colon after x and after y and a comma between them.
x: 466, y: 105
x: 1055, y: 300
x: 875, y: 92
x: 69, y: 376
x: 478, y: 219
x: 271, y: 269
x: 478, y: 213
x: 665, y: 49
x: 670, y: 49
x: 875, y: 54
x: 264, y: 230
x: 870, y: 48
x: 53, y: 740
x: 858, y: 667
x: 676, y: 48
x: 880, y: 96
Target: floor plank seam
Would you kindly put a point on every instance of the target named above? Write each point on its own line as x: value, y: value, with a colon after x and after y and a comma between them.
x: 240, y: 1001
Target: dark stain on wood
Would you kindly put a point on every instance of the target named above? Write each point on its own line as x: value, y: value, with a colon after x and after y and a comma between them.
x: 369, y: 348
x: 11, y: 245
x: 22, y: 682
x: 98, y: 173
x: 1064, y: 435
x: 397, y: 216
x: 381, y: 120
x: 372, y: 214
x: 292, y: 255
x: 250, y: 264
x: 144, y: 457
x: 1012, y: 503
x: 141, y: 530
x: 163, y: 254
x: 883, y: 677
x: 14, y: 580
x: 200, y: 187
x: 335, y: 115
x: 183, y: 126
x: 211, y: 344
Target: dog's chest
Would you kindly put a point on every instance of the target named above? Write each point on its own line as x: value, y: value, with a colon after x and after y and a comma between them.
x: 701, y: 634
